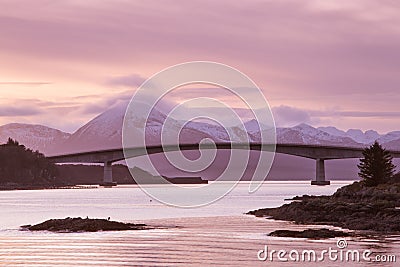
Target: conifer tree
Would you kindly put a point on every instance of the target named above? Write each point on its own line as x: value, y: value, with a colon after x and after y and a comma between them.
x: 376, y: 167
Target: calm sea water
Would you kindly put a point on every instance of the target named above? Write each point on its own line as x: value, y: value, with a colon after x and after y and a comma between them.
x: 127, y: 203
x: 217, y: 234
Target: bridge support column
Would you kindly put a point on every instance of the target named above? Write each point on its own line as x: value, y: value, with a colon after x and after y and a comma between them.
x: 107, y: 178
x: 320, y: 173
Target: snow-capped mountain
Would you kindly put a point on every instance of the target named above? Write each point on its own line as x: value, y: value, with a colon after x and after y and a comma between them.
x: 105, y: 132
x: 253, y: 127
x: 102, y: 132
x: 390, y: 140
x: 357, y: 135
x: 306, y: 134
x: 216, y: 131
x: 35, y: 137
x: 389, y: 137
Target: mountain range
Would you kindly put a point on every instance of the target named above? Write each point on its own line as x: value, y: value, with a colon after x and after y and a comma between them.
x: 105, y: 132
x: 36, y: 137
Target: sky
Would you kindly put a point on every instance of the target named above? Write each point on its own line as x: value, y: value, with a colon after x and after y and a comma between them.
x: 321, y: 62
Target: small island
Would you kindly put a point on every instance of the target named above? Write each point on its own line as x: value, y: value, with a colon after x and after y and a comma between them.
x: 310, y: 233
x: 83, y: 225
x: 372, y: 204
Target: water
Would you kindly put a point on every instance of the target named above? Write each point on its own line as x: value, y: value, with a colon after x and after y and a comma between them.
x: 127, y: 203
x: 217, y: 234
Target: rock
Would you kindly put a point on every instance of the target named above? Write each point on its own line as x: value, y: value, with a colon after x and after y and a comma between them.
x: 354, y: 207
x: 310, y: 233
x: 83, y: 225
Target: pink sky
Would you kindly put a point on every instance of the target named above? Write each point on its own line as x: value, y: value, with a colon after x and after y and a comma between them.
x: 319, y: 62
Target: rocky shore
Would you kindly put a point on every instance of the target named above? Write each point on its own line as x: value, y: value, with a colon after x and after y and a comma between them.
x: 354, y: 207
x: 83, y: 225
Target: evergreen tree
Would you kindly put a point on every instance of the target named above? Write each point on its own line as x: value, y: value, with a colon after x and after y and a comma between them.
x: 21, y: 165
x: 376, y: 167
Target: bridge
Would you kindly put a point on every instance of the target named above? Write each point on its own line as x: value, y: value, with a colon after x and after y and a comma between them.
x: 319, y: 153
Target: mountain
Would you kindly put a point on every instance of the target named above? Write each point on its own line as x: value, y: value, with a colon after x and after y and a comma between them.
x: 102, y: 132
x: 357, y: 135
x: 390, y: 140
x: 306, y: 134
x: 35, y: 137
x: 389, y: 137
x: 393, y: 144
x: 105, y: 132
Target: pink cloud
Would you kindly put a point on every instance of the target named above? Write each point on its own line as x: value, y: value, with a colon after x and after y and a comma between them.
x: 304, y: 54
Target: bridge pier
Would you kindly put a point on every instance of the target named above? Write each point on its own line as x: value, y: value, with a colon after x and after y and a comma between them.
x: 108, y: 178
x: 320, y: 173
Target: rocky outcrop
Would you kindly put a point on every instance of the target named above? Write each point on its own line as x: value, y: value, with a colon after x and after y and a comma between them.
x: 310, y: 233
x: 353, y: 207
x: 83, y: 225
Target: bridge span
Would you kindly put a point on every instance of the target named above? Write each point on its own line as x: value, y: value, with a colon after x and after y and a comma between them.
x: 319, y: 153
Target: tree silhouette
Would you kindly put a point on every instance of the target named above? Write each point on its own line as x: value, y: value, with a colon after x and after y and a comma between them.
x: 376, y: 167
x: 22, y: 165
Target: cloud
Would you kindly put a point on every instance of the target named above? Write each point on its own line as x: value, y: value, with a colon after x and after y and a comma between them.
x: 354, y: 114
x: 67, y: 114
x: 308, y: 53
x: 103, y: 102
x: 289, y: 116
x: 368, y: 114
x: 19, y: 111
x: 39, y: 103
x: 25, y: 83
x: 133, y: 80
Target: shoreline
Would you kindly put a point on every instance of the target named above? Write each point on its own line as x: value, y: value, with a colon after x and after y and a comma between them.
x: 371, y: 210
x: 21, y: 188
x: 95, y: 185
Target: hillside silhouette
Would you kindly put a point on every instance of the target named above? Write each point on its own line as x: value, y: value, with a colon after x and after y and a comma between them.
x: 21, y: 165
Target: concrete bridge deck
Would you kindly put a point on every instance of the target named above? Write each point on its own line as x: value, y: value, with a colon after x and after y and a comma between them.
x: 319, y: 153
